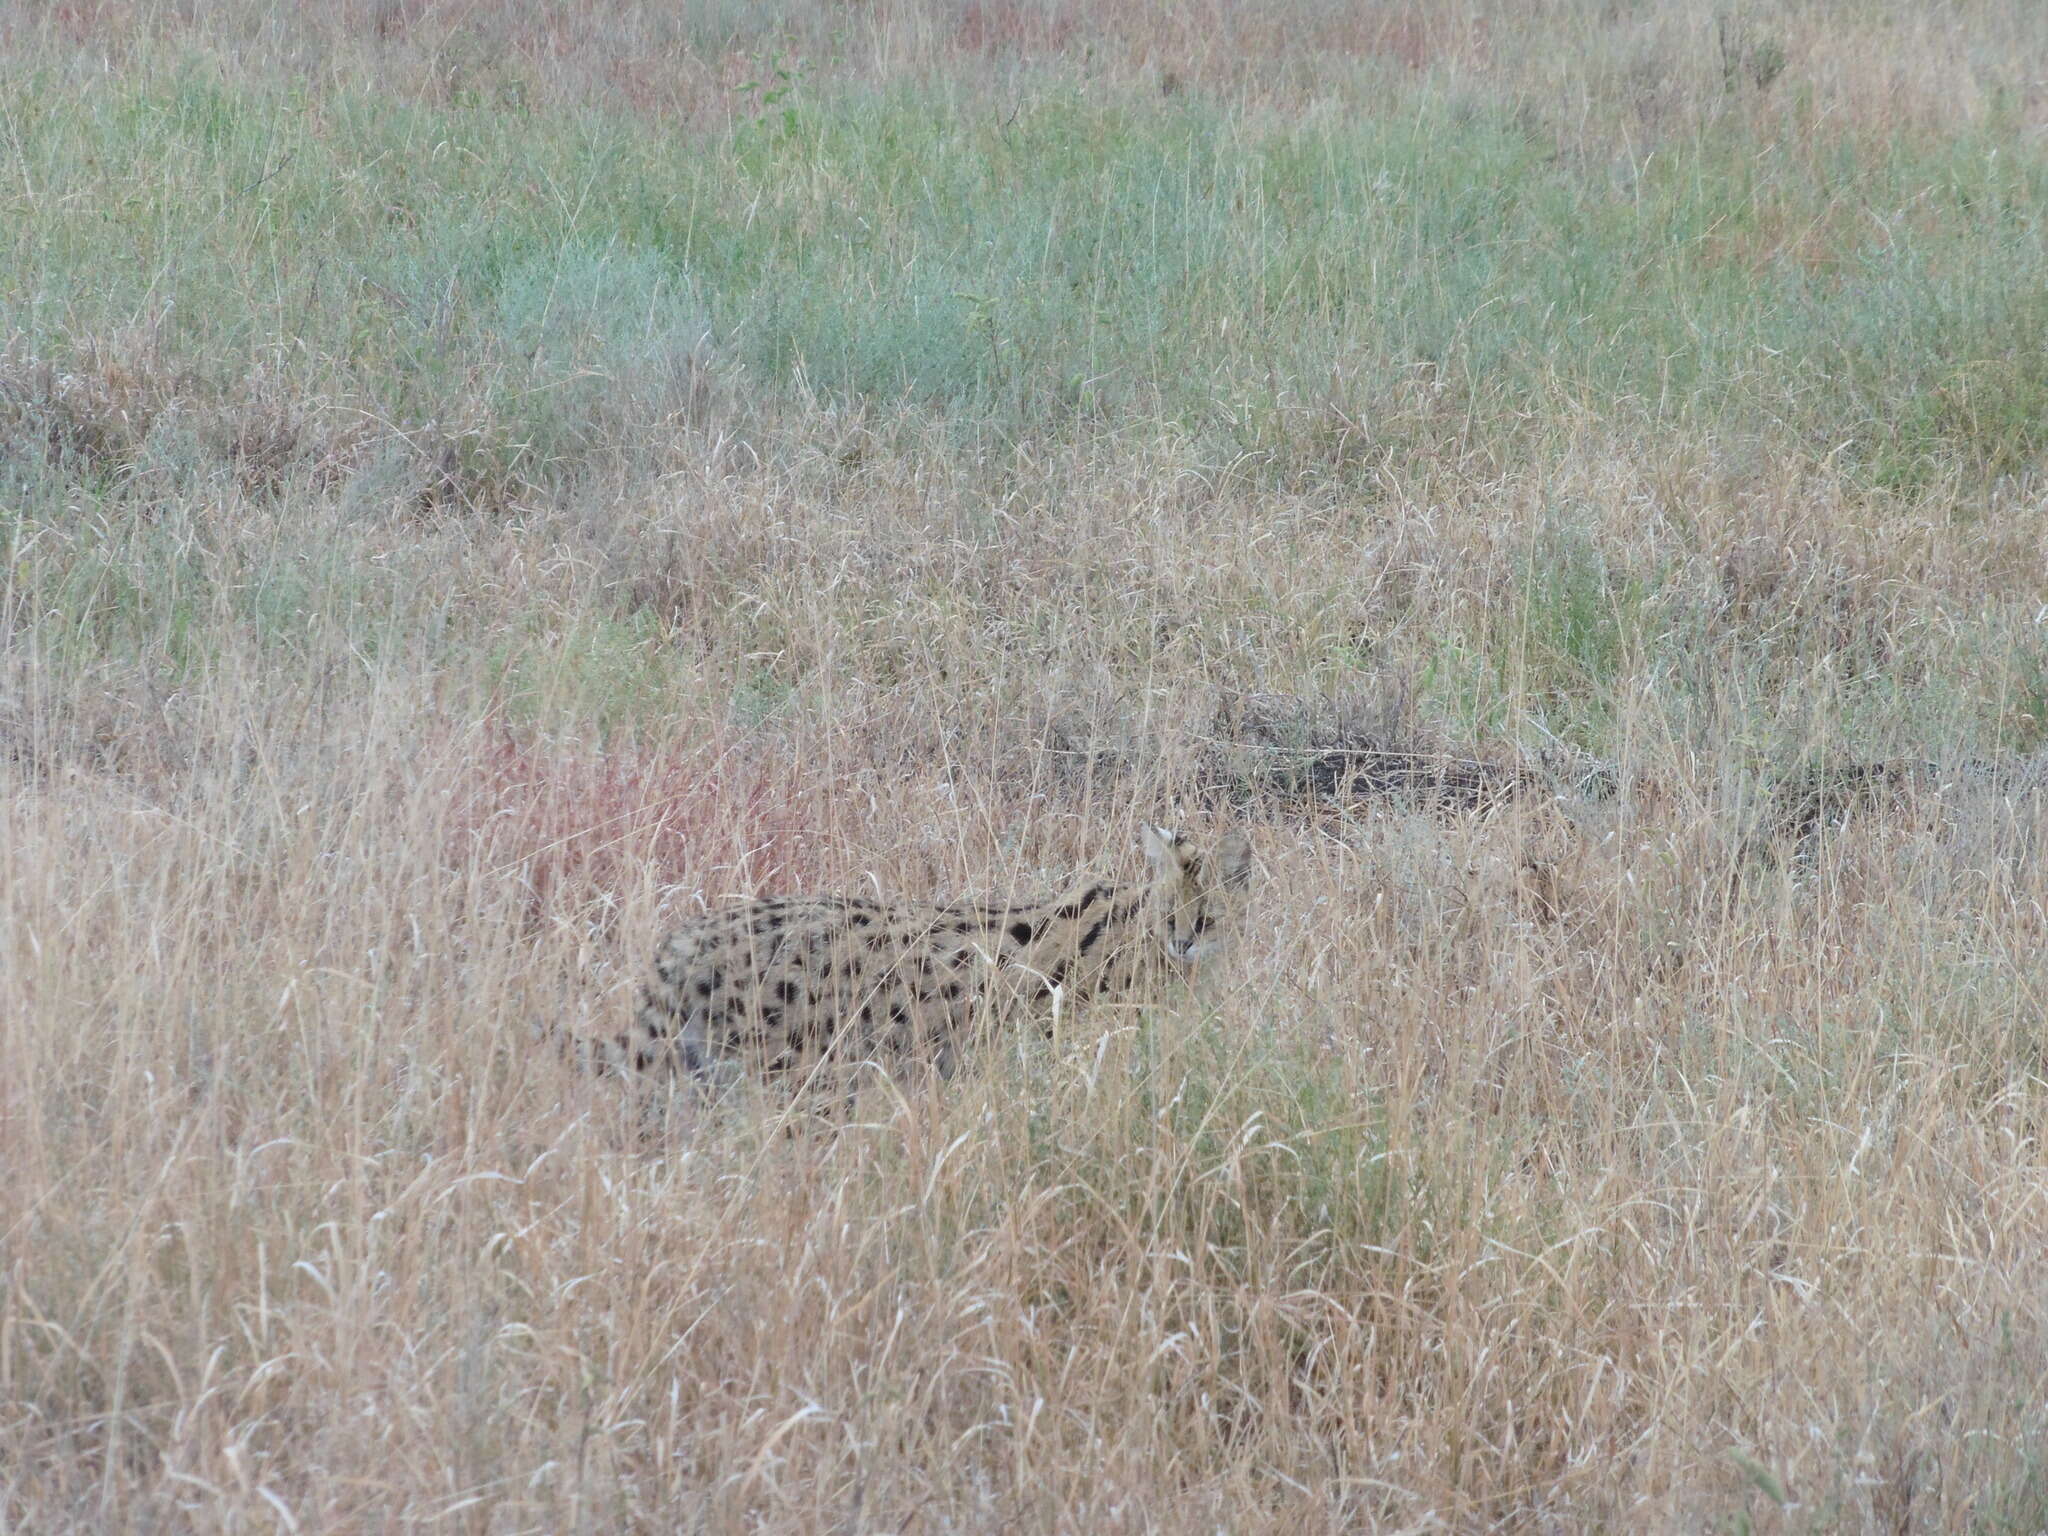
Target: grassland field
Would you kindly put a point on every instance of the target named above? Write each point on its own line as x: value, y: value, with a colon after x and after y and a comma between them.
x: 479, y: 482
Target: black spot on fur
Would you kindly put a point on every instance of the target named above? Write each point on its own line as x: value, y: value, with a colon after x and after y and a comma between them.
x: 1021, y: 931
x: 860, y: 920
x: 705, y: 986
x: 788, y: 991
x: 1094, y: 933
x: 644, y: 1061
x: 1074, y: 909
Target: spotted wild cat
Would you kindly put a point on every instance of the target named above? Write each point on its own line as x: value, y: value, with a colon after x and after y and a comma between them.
x: 786, y: 983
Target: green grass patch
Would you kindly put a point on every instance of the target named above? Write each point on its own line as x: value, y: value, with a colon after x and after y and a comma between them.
x: 1309, y: 295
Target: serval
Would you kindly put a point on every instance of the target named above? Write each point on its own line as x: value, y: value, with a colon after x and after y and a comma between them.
x: 792, y: 984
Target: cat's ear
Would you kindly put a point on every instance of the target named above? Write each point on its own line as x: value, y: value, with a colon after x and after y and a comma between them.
x: 1161, y: 845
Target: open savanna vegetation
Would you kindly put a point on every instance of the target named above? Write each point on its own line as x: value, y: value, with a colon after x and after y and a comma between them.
x: 481, y: 483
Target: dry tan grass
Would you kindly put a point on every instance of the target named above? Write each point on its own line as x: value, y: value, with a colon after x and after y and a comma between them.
x: 1607, y: 78
x: 1598, y: 1165
x: 1648, y: 1205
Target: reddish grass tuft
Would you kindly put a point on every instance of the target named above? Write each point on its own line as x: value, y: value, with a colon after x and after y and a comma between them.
x: 577, y: 827
x: 1012, y: 28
